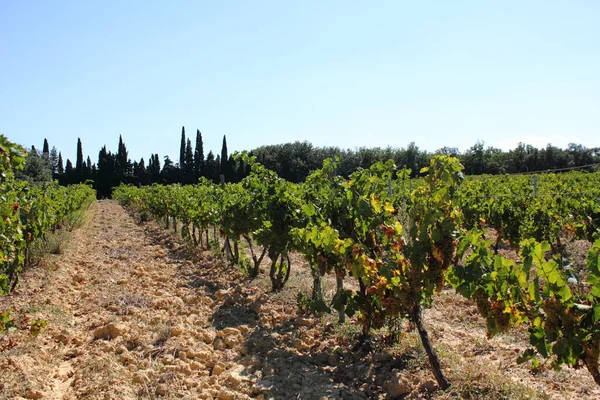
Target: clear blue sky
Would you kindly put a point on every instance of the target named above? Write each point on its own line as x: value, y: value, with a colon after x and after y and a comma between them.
x: 343, y: 73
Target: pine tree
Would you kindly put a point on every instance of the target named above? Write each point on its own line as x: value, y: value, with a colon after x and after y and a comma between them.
x: 54, y: 162
x: 198, y: 157
x: 79, y: 163
x: 37, y: 168
x: 169, y: 172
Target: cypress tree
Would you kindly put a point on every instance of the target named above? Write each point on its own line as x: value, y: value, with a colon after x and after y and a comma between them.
x: 224, y: 156
x: 54, y: 162
x: 182, y: 153
x: 59, y: 168
x: 150, y: 168
x: 199, y: 156
x: 84, y: 172
x: 153, y: 171
x: 211, y: 167
x: 101, y: 179
x: 140, y: 174
x: 241, y: 170
x: 230, y: 175
x: 189, y: 163
x: 157, y: 167
x: 46, y: 148
x: 88, y: 168
x: 135, y: 168
x: 69, y: 173
x: 123, y: 165
x: 106, y: 176
x: 79, y: 162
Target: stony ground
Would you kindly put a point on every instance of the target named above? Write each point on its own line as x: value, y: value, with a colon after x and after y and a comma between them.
x: 127, y: 312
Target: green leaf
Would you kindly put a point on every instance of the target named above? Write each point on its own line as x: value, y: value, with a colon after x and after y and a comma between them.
x: 593, y: 259
x: 526, y: 356
x: 595, y: 291
x: 534, y: 289
x: 596, y: 311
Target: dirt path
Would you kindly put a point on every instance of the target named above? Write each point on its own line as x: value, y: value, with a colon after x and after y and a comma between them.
x: 128, y: 317
x: 123, y: 322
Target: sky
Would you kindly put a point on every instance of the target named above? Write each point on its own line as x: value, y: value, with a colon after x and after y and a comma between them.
x: 335, y: 73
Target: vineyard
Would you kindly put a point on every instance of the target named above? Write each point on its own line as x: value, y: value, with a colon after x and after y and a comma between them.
x: 392, y: 246
x: 29, y: 213
x: 403, y: 240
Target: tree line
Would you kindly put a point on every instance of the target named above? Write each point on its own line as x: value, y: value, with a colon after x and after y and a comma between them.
x: 291, y: 161
x: 294, y: 161
x: 112, y: 169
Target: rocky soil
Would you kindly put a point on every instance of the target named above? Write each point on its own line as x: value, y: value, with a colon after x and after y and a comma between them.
x: 128, y: 312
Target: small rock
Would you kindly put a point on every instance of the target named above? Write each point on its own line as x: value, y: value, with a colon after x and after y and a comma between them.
x: 176, y: 331
x: 109, y: 331
x: 33, y: 394
x: 398, y: 385
x: 225, y: 394
x: 237, y: 376
x: 64, y: 337
x: 78, y: 278
x: 161, y: 390
x: 304, y: 321
x: 218, y: 369
x: 232, y: 340
x: 255, y: 307
x: 299, y: 345
x: 262, y: 386
x: 230, y: 332
x: 244, y: 329
x: 195, y: 365
x: 219, y: 344
x: 139, y: 377
x: 205, y: 335
x: 77, y: 341
x: 220, y: 294
x: 429, y: 386
x: 126, y: 359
